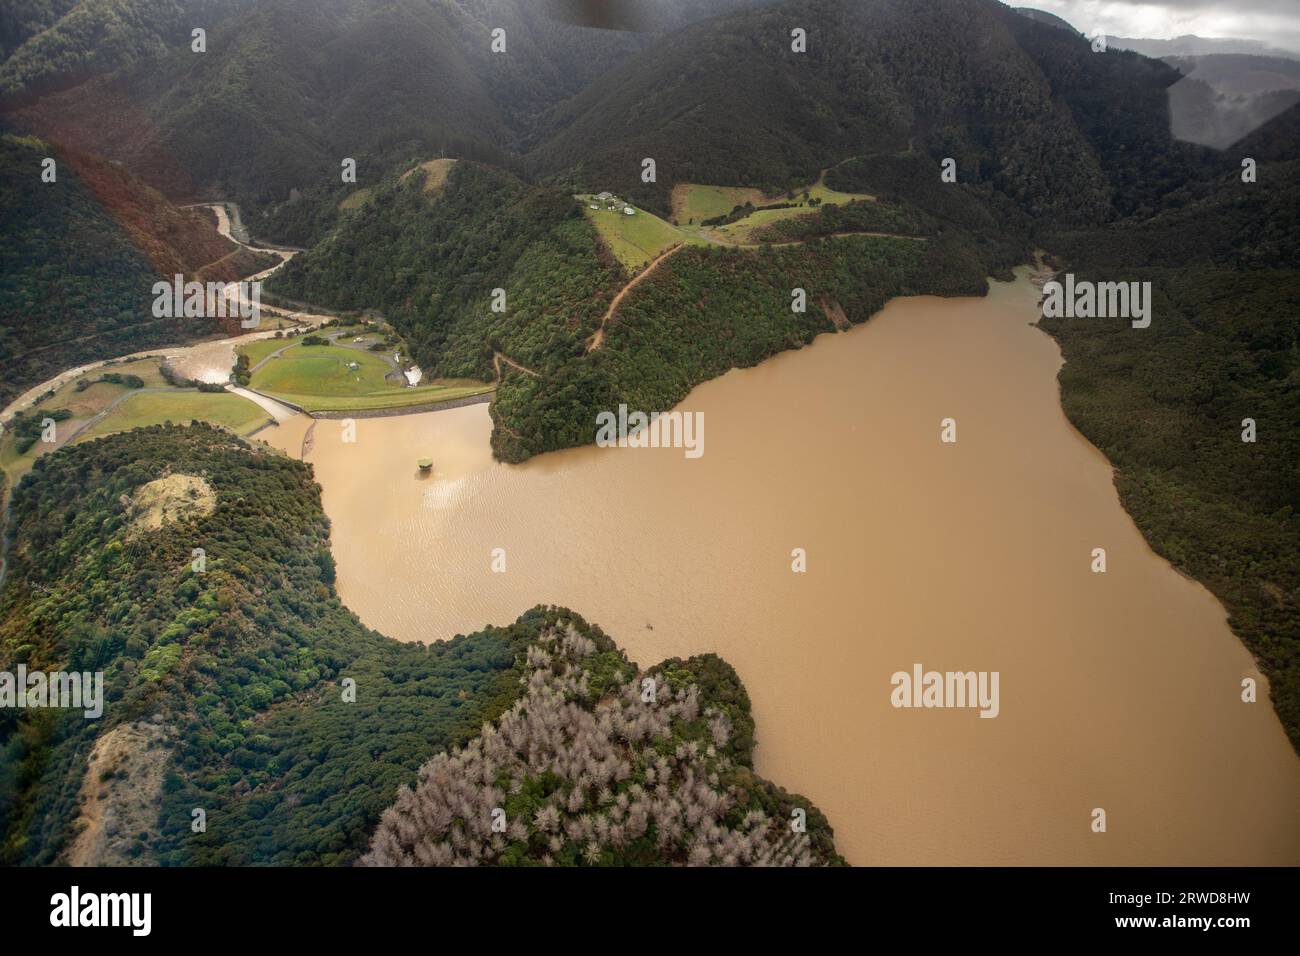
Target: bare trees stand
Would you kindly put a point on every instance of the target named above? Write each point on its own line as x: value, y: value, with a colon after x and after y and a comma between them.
x: 599, y: 763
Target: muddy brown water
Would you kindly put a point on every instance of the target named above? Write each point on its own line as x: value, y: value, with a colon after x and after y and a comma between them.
x: 1118, y: 691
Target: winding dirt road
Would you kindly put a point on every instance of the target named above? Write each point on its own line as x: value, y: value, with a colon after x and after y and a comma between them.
x: 598, y: 339
x: 499, y: 357
x: 30, y: 396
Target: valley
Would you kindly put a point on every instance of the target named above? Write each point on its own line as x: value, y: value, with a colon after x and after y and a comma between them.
x: 150, y: 387
x: 367, y: 586
x: 679, y: 557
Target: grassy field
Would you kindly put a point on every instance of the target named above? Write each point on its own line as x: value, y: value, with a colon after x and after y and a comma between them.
x: 693, y: 201
x: 317, y: 378
x: 82, y: 405
x: 145, y: 369
x: 437, y: 170
x: 356, y: 200
x: 826, y: 194
x: 256, y: 351
x: 635, y: 239
x: 154, y: 408
x: 323, y: 370
x: 638, y: 238
x: 314, y: 377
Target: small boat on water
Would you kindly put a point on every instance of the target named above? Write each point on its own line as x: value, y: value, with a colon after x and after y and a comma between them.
x: 426, y: 464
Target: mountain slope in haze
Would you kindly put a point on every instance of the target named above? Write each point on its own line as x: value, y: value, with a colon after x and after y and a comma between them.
x: 286, y: 91
x: 283, y: 94
x: 1191, y: 45
x: 226, y: 688
x: 58, y: 44
x: 948, y: 77
x: 1050, y: 19
x: 1028, y: 111
x: 1239, y: 74
x: 1224, y: 97
x: 1199, y: 114
x: 1276, y: 141
x: 80, y: 257
x: 1119, y: 101
x: 21, y: 20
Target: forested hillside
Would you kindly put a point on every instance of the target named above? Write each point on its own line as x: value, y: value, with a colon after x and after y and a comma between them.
x: 56, y: 44
x: 23, y: 19
x: 227, y: 683
x: 226, y: 686
x: 286, y: 90
x: 1167, y: 404
x: 240, y: 661
x: 80, y: 257
x: 950, y: 78
x: 708, y: 310
x: 429, y: 259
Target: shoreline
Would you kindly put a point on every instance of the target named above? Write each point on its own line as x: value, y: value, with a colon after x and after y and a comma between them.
x: 498, y: 506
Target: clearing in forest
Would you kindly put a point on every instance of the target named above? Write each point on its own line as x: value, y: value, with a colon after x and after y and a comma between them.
x: 634, y: 238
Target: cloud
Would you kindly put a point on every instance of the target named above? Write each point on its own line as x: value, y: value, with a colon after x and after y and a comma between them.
x: 1274, y: 22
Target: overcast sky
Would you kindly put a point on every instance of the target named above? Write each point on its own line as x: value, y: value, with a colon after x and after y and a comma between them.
x: 1275, y: 22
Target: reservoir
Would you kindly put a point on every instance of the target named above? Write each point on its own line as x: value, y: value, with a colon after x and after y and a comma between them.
x: 1118, y: 691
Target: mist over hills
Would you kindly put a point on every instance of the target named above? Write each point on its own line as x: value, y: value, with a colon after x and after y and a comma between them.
x: 1230, y: 87
x: 286, y: 92
x: 1187, y: 44
x: 1192, y: 45
x: 1224, y: 97
x: 877, y: 79
x: 1240, y: 74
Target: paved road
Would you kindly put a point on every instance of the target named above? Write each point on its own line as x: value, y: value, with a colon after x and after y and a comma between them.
x: 309, y: 319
